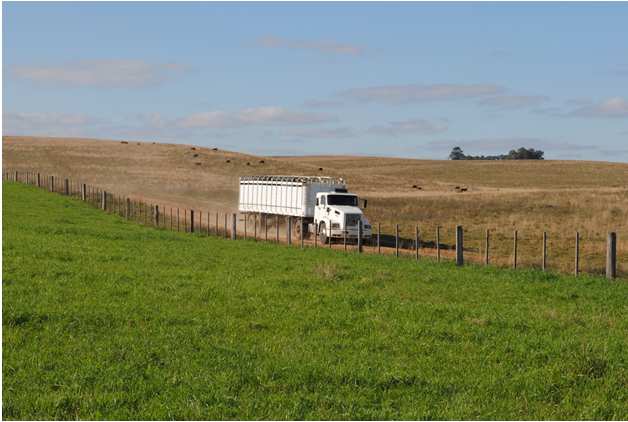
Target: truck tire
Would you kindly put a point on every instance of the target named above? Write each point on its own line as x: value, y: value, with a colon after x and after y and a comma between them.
x: 322, y: 234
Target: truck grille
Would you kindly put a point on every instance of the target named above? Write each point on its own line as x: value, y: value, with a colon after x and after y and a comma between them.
x: 352, y: 220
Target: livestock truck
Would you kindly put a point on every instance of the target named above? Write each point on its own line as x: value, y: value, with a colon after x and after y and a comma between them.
x: 323, y: 204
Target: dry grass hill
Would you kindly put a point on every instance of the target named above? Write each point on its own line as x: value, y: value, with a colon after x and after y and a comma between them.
x: 559, y: 197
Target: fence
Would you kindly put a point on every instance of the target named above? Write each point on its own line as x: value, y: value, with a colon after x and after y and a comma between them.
x: 485, y: 247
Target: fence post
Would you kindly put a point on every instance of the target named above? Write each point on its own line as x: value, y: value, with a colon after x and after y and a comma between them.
x: 246, y: 217
x: 157, y: 215
x: 103, y: 200
x: 16, y: 177
x: 437, y: 243
x: 397, y: 240
x: 486, y: 247
x: 255, y: 226
x: 360, y: 236
x: 301, y: 230
x: 544, y: 262
x: 577, y: 258
x: 66, y: 187
x: 191, y: 221
x: 265, y: 217
x: 128, y: 208
x: 379, y: 231
x: 611, y: 256
x: 38, y: 180
x: 83, y: 191
x: 217, y: 216
x: 277, y: 229
x: 234, y: 227
x: 514, y: 250
x: 289, y: 231
x: 459, y: 246
x: 52, y: 183
x: 416, y: 242
x: 226, y: 231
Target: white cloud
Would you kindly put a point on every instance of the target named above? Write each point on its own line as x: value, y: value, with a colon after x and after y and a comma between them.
x: 50, y: 124
x: 410, y: 127
x: 260, y: 116
x: 99, y: 73
x: 322, y: 103
x: 323, y: 133
x: 509, y: 102
x: 611, y: 107
x: 329, y: 47
x: 415, y: 93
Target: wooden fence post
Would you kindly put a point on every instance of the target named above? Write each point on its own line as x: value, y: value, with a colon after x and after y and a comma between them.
x: 157, y: 215
x: 544, y: 261
x: 191, y: 221
x: 17, y: 179
x: 459, y: 246
x: 38, y: 180
x: 66, y: 187
x: 277, y: 229
x: 217, y: 216
x: 246, y: 217
x: 514, y: 250
x: 52, y: 183
x: 178, y: 221
x: 437, y: 243
x: 397, y: 240
x: 128, y: 208
x: 577, y: 257
x: 103, y: 200
x: 208, y: 214
x: 265, y: 217
x: 83, y: 191
x: 379, y: 232
x: 255, y: 226
x: 226, y: 231
x: 289, y: 230
x: 360, y: 236
x: 234, y: 226
x: 486, y: 247
x: 416, y: 242
x: 611, y: 256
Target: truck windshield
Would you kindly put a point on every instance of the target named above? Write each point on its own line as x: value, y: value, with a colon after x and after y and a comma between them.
x: 350, y: 200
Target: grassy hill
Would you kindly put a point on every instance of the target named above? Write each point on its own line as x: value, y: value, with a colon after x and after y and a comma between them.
x: 559, y: 197
x: 106, y: 319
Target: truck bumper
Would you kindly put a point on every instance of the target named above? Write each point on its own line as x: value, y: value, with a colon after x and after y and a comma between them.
x: 350, y: 234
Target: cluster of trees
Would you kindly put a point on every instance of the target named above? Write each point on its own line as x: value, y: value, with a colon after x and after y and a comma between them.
x: 518, y: 154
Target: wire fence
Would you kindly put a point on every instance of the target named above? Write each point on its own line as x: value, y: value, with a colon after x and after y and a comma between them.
x: 593, y: 253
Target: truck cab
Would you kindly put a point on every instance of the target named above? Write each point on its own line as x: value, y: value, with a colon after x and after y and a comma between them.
x: 337, y: 215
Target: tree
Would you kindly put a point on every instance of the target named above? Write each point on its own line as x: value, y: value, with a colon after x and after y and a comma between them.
x: 457, y: 154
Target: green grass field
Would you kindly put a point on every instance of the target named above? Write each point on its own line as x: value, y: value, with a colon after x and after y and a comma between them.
x: 104, y: 319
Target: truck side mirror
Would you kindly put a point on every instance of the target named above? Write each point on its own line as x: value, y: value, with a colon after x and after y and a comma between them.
x: 365, y: 202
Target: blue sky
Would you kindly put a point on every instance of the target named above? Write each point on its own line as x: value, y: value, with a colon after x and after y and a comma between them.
x: 395, y: 79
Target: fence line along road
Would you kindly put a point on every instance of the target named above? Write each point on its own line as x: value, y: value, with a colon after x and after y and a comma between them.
x: 155, y: 215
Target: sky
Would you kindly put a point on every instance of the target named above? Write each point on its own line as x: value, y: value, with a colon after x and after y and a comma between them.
x: 385, y: 79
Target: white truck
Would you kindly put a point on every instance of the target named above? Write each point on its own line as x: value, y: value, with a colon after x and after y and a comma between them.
x: 326, y: 207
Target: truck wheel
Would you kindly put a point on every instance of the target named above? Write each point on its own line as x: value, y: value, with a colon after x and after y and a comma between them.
x: 322, y: 234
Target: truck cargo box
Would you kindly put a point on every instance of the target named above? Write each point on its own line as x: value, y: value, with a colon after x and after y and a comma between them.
x: 284, y: 195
